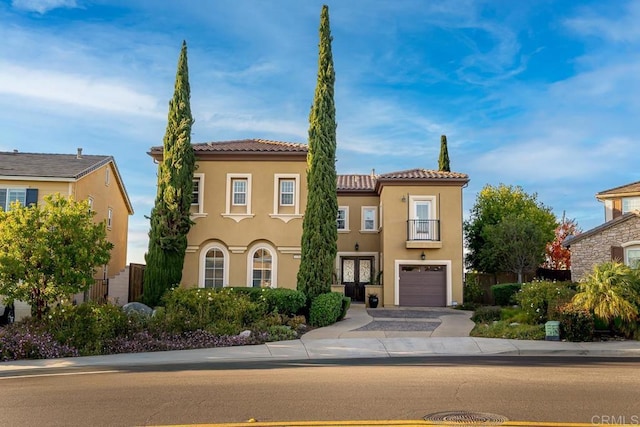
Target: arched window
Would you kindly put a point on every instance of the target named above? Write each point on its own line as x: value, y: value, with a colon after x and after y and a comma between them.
x: 632, y: 256
x: 214, y: 268
x: 262, y: 268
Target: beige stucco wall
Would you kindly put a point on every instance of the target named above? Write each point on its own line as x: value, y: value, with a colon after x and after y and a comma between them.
x: 45, y: 188
x: 367, y: 241
x: 107, y: 195
x: 596, y: 249
x: 394, y: 235
x: 240, y: 236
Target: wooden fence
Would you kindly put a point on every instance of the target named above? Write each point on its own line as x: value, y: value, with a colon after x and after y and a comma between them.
x: 136, y: 280
x: 98, y: 292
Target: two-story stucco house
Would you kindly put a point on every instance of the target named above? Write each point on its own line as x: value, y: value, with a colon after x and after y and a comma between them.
x: 401, y: 230
x: 29, y: 177
x: 618, y: 239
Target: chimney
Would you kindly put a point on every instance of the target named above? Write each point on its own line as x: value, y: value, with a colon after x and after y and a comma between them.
x: 373, y: 173
x: 79, y: 155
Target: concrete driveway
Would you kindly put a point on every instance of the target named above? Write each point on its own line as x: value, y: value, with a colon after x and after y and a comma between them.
x: 397, y: 322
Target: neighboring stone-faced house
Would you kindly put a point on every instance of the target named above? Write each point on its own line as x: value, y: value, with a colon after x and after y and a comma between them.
x: 402, y: 230
x: 618, y: 239
x: 29, y: 177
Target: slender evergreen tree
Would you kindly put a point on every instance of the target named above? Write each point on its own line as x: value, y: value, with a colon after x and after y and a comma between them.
x: 320, y: 235
x: 443, y: 160
x: 170, y: 220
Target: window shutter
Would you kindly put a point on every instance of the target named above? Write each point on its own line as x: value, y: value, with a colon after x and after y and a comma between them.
x: 32, y: 197
x: 617, y: 253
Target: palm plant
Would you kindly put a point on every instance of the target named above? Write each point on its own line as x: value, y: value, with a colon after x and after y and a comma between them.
x: 612, y: 293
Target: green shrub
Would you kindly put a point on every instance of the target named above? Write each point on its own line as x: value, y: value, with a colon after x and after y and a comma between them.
x: 325, y: 309
x: 472, y: 292
x: 224, y: 311
x: 87, y: 326
x: 486, y: 314
x: 513, y: 314
x: 284, y: 301
x: 508, y: 330
x: 346, y: 303
x: 541, y: 300
x: 505, y: 294
x: 281, y: 333
x: 576, y: 324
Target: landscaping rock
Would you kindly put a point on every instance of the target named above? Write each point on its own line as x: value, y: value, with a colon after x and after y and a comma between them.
x: 137, y: 307
x: 245, y: 334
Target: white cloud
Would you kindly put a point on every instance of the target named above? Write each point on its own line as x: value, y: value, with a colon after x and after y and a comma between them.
x: 77, y: 90
x: 43, y: 6
x: 621, y: 28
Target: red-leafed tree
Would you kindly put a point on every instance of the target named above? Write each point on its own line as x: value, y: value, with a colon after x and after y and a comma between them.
x: 559, y: 257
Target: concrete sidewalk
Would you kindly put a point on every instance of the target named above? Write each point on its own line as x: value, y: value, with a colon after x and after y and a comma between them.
x: 343, y: 341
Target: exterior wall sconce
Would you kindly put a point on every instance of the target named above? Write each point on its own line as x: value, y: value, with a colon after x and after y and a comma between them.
x: 357, y: 247
x: 404, y: 199
x: 423, y: 256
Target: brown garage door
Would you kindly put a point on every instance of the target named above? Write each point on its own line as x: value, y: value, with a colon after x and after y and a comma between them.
x: 423, y: 286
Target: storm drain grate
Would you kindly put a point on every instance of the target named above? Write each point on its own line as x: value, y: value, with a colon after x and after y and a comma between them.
x: 466, y: 418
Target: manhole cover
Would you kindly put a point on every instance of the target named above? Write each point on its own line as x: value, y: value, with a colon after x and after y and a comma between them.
x: 466, y: 418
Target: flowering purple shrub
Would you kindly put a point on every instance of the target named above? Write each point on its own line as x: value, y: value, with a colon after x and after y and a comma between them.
x: 26, y: 341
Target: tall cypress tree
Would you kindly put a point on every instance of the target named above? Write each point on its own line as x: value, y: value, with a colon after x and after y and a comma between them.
x: 443, y: 161
x: 170, y: 220
x: 320, y: 234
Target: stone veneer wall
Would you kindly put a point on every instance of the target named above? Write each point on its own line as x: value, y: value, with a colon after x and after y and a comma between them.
x: 596, y: 249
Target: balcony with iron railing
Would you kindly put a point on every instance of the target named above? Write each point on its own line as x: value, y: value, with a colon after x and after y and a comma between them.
x: 423, y: 233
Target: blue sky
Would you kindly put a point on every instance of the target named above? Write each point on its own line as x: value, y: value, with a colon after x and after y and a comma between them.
x: 539, y: 94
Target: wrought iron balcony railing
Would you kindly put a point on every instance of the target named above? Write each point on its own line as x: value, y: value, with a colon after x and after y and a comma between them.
x: 423, y: 229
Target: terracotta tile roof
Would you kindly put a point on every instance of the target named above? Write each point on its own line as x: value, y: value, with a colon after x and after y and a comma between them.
x: 634, y: 187
x: 49, y: 165
x: 244, y: 146
x: 356, y: 182
x: 419, y: 174
x: 614, y: 222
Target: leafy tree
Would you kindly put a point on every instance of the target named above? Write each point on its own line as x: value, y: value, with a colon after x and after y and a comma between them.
x: 50, y: 252
x: 557, y: 256
x: 320, y: 235
x: 493, y: 204
x: 516, y: 245
x: 443, y: 160
x: 170, y: 221
x: 612, y: 293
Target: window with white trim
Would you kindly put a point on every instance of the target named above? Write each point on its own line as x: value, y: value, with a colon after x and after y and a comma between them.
x: 195, y: 193
x: 214, y: 268
x: 343, y: 218
x: 369, y: 218
x: 109, y: 217
x: 90, y: 202
x: 632, y: 256
x: 197, y: 196
x: 287, y: 192
x: 630, y: 204
x: 262, y: 265
x: 239, y: 192
x: 10, y: 195
x: 107, y: 176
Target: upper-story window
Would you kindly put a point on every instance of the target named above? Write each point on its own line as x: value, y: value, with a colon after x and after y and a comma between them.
x: 286, y: 196
x: 238, y: 196
x: 287, y: 192
x: 369, y: 218
x: 197, y: 196
x: 109, y: 218
x: 423, y: 224
x: 343, y: 218
x: 239, y: 192
x: 25, y: 196
x: 630, y: 204
x: 107, y: 176
x: 90, y: 202
x: 195, y: 193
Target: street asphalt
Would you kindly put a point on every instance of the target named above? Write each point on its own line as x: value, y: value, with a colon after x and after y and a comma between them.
x: 364, y: 333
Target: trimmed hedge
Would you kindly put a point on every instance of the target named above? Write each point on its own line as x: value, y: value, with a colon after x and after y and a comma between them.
x: 505, y: 294
x: 486, y: 314
x: 346, y: 303
x: 284, y: 301
x: 325, y: 309
x: 576, y: 324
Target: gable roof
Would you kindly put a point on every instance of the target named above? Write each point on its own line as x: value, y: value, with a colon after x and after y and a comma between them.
x: 56, y: 167
x: 607, y: 225
x: 627, y: 189
x: 421, y: 176
x: 32, y: 165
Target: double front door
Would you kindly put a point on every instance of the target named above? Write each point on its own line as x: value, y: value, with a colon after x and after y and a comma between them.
x: 356, y: 273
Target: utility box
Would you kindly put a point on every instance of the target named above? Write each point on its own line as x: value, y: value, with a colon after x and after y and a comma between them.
x: 552, y: 330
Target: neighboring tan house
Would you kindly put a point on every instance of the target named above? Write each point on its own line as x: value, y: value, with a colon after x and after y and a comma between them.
x: 618, y: 239
x: 29, y: 177
x: 402, y: 230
